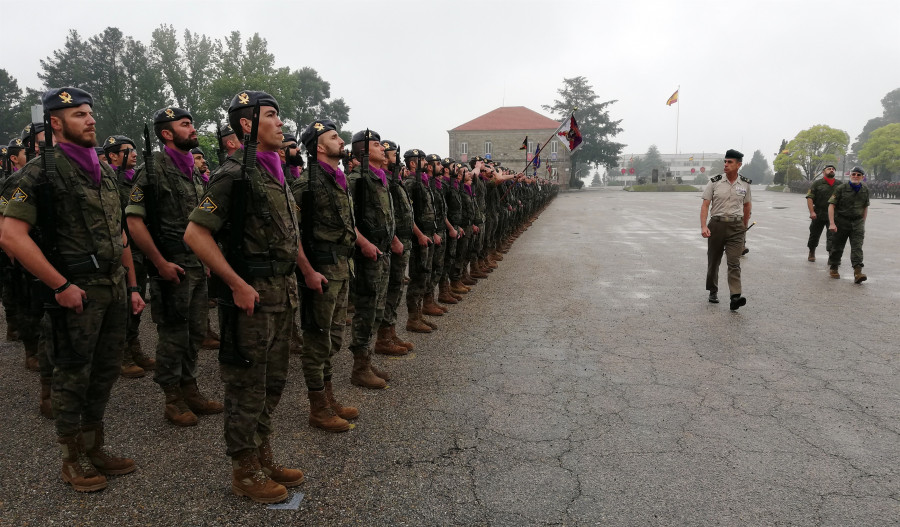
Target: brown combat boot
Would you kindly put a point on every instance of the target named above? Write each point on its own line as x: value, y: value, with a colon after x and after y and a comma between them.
x: 429, y: 307
x: 248, y: 479
x: 491, y: 264
x: 322, y: 416
x: 833, y: 272
x: 103, y: 461
x: 414, y: 322
x: 137, y: 355
x: 458, y: 287
x: 812, y: 256
x: 476, y: 272
x: 445, y: 297
x: 288, y: 477
x: 426, y: 321
x: 385, y: 345
x: 31, y: 350
x: 344, y: 412
x: 46, y: 407
x: 362, y: 375
x: 858, y: 276
x: 77, y: 469
x: 378, y: 371
x: 398, y: 341
x: 497, y: 256
x: 176, y: 410
x: 197, y: 402
x: 211, y: 340
x: 129, y: 369
x: 468, y: 279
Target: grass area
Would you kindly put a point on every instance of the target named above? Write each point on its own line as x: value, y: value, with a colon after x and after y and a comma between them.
x: 775, y: 188
x: 662, y: 188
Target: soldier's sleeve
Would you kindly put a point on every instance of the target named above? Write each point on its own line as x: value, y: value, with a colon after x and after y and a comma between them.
x: 352, y: 178
x: 835, y: 199
x: 809, y: 193
x: 22, y: 199
x: 707, y: 191
x: 136, y: 203
x: 747, y: 195
x: 298, y: 187
x: 212, y: 212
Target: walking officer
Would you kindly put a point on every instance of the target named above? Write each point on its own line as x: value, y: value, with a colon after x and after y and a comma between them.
x: 817, y: 202
x: 847, y: 211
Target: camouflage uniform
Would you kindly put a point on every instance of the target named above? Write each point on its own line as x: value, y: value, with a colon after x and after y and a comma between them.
x: 440, y: 251
x: 420, y: 257
x: 88, y: 347
x: 140, y: 269
x: 403, y: 217
x: 476, y: 247
x: 466, y: 219
x: 178, y: 310
x: 849, y: 216
x: 819, y: 192
x: 333, y: 234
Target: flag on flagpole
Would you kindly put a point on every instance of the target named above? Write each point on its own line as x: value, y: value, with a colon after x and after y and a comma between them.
x: 524, y: 144
x: 537, y: 157
x: 569, y: 134
x: 673, y: 99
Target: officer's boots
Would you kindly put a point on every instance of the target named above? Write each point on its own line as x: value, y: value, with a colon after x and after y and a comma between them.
x: 833, y: 272
x: 248, y: 479
x: 138, y: 356
x: 445, y: 297
x: 103, y: 461
x: 362, y: 375
x: 385, y: 345
x: 321, y: 415
x: 77, y: 469
x: 414, y: 321
x: 398, y: 341
x: 858, y: 276
x: 812, y: 255
x: 176, y: 410
x: 288, y: 477
x: 46, y: 407
x: 31, y: 350
x: 344, y: 412
x: 197, y: 402
x: 429, y: 307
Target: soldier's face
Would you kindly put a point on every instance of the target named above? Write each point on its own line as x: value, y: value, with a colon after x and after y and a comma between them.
x: 76, y: 125
x: 856, y: 178
x: 391, y: 156
x: 200, y: 162
x: 270, y: 136
x: 330, y: 145
x: 376, y: 152
x: 829, y: 172
x: 732, y: 166
x: 19, y: 160
x: 184, y: 135
x: 38, y: 137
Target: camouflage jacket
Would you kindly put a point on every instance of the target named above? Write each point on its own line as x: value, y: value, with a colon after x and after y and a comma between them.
x: 374, y: 211
x: 849, y: 204
x: 423, y: 204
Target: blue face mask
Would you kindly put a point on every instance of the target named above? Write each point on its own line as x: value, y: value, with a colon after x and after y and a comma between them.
x: 855, y: 187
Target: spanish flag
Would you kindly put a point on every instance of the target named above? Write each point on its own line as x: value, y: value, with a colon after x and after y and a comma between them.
x: 673, y: 99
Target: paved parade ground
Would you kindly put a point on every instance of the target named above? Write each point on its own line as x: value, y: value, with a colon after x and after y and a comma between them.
x: 586, y: 382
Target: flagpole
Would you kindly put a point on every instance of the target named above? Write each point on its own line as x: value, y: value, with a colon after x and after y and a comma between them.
x: 677, y: 117
x: 558, y: 128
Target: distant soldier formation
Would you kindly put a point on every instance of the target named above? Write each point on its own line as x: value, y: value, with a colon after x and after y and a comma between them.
x: 289, y: 250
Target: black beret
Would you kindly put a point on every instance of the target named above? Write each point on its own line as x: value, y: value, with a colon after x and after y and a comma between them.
x: 413, y: 153
x: 361, y: 136
x: 389, y: 146
x: 433, y: 158
x: 734, y: 154
x: 248, y: 99
x: 447, y: 161
x: 3, y: 151
x: 99, y: 151
x: 113, y: 143
x: 170, y: 115
x: 226, y: 130
x: 858, y: 169
x: 289, y: 138
x: 68, y: 97
x: 830, y: 165
x: 16, y: 144
x: 37, y: 127
x: 314, y: 130
x: 197, y: 150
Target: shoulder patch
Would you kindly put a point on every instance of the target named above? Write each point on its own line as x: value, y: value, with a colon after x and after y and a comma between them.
x: 207, y: 205
x: 19, y: 196
x: 716, y: 178
x: 137, y: 195
x: 3, y: 201
x: 745, y: 180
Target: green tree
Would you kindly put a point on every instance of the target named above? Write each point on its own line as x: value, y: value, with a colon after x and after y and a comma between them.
x: 649, y: 161
x: 812, y: 149
x: 69, y: 66
x: 595, y: 181
x: 757, y: 169
x: 890, y: 115
x: 14, y: 112
x: 882, y: 151
x: 597, y: 128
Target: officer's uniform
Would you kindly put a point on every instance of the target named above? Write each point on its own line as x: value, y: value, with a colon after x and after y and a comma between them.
x: 849, y: 216
x: 819, y: 192
x: 726, y: 227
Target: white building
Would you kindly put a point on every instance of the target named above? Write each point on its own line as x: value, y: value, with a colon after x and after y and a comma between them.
x: 687, y: 165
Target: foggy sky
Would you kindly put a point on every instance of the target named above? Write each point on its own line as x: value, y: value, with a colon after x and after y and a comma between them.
x: 751, y: 73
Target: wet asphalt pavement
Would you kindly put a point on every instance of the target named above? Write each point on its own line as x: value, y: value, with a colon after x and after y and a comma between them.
x: 586, y: 382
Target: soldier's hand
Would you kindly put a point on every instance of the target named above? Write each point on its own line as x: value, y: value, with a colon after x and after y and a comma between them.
x: 370, y: 251
x: 137, y: 303
x: 171, y: 272
x: 437, y: 239
x: 705, y: 232
x: 475, y: 229
x: 396, y: 246
x: 314, y: 281
x: 812, y: 215
x: 246, y: 298
x: 423, y: 240
x: 832, y: 227
x: 462, y: 233
x: 72, y: 297
x: 452, y: 233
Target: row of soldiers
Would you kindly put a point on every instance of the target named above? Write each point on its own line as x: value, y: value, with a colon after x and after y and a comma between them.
x: 878, y: 189
x: 90, y: 238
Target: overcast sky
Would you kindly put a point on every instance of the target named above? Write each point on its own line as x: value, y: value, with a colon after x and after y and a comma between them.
x: 751, y: 72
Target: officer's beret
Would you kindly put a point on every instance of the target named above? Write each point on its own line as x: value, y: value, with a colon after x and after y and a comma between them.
x: 68, y: 97
x: 734, y: 154
x: 99, y: 151
x: 197, y: 150
x: 289, y: 138
x: 114, y: 142
x: 226, y: 130
x: 170, y: 115
x: 413, y: 153
x: 858, y: 169
x: 37, y: 127
x: 389, y: 146
x: 447, y: 161
x: 433, y: 158
x: 830, y: 165
x: 16, y: 144
x: 314, y: 130
x: 361, y: 136
x: 248, y: 99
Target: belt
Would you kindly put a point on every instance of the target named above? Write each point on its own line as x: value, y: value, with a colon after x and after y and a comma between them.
x: 339, y: 250
x: 86, y: 264
x: 727, y: 219
x: 269, y: 268
x: 175, y: 247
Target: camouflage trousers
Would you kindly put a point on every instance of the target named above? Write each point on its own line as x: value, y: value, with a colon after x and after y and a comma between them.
x: 134, y: 321
x: 329, y: 312
x: 437, y: 262
x: 180, y: 312
x: 368, y: 296
x: 252, y: 393
x: 462, y: 256
x: 420, y: 259
x: 394, y: 292
x: 476, y: 244
x: 490, y: 234
x: 8, y: 296
x: 815, y: 232
x: 853, y: 230
x: 86, y: 354
x: 449, y: 258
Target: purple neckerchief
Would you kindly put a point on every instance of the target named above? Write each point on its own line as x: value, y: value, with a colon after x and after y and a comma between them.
x: 468, y: 188
x: 85, y: 158
x: 437, y: 183
x: 295, y: 171
x: 15, y: 168
x: 129, y: 174
x: 482, y: 177
x: 336, y: 173
x: 454, y: 183
x: 183, y: 162
x: 381, y: 175
x: 204, y: 176
x: 271, y: 163
x: 425, y: 177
